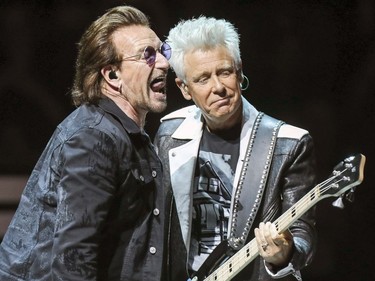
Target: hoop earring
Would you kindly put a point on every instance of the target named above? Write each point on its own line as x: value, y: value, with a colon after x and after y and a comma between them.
x: 243, y: 88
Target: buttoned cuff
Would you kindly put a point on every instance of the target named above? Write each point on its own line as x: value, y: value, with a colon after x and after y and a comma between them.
x: 284, y: 272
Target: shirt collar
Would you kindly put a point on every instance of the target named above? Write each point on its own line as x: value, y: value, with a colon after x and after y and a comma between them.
x: 111, y: 107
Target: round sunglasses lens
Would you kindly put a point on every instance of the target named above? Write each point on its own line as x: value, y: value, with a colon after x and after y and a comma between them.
x: 166, y: 50
x: 150, y: 55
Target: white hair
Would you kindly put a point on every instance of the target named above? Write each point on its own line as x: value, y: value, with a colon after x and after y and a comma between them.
x: 201, y: 33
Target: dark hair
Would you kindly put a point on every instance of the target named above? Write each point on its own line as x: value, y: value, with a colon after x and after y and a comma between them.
x: 96, y: 50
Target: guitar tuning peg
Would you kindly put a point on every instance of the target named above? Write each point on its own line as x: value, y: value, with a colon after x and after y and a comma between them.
x: 339, y: 203
x: 350, y: 195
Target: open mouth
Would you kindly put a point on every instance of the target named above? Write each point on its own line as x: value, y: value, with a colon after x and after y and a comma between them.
x: 158, y: 84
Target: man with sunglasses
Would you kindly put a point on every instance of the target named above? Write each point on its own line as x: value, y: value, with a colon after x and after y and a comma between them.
x: 217, y: 154
x: 93, y: 207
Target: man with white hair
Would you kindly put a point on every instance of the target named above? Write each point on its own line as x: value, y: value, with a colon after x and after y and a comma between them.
x: 232, y: 169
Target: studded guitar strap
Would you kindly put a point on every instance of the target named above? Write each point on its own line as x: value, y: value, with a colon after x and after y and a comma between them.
x: 253, y: 178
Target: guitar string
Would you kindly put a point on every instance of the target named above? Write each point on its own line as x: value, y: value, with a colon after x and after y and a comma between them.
x: 228, y: 266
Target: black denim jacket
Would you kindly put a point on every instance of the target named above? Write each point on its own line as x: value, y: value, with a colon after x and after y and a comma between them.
x: 93, y: 207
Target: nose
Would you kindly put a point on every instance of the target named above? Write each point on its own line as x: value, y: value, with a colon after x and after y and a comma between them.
x: 218, y: 86
x: 161, y: 61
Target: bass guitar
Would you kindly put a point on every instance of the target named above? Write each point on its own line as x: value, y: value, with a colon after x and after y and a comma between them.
x: 345, y: 176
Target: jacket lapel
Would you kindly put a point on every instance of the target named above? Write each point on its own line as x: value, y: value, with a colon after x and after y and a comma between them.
x: 182, y: 161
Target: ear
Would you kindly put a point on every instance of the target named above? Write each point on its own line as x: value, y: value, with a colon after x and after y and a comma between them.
x: 240, y: 73
x: 183, y: 88
x: 110, y: 76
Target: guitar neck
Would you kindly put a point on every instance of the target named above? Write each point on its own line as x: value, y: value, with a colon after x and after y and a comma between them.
x: 249, y: 252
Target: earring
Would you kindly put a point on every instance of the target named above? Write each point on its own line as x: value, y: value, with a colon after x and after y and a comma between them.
x: 244, y: 87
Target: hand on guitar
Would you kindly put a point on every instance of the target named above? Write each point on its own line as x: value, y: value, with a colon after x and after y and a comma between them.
x: 276, y: 249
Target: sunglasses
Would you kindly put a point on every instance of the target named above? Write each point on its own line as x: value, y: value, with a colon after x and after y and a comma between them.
x: 149, y: 53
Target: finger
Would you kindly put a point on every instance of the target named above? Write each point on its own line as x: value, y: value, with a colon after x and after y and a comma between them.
x: 259, y: 236
x: 261, y: 226
x: 273, y: 231
x: 261, y: 242
x: 273, y: 228
x: 267, y: 232
x: 287, y: 235
x: 284, y: 239
x: 262, y: 231
x: 279, y: 239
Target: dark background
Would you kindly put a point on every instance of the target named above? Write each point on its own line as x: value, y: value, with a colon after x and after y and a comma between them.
x: 310, y: 63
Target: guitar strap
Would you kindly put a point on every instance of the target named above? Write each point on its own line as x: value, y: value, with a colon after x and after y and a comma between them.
x: 254, y: 173
x: 253, y: 178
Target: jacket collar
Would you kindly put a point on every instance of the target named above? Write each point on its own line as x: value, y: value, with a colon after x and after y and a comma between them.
x: 111, y: 107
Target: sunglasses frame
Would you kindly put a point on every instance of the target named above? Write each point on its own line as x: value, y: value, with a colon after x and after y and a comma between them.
x: 149, y: 53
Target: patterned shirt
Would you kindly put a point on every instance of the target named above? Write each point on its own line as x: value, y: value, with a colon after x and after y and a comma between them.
x: 213, y: 183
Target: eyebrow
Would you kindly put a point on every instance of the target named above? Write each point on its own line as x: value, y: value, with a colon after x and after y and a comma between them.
x: 200, y: 74
x: 137, y: 52
x: 208, y: 73
x: 140, y: 50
